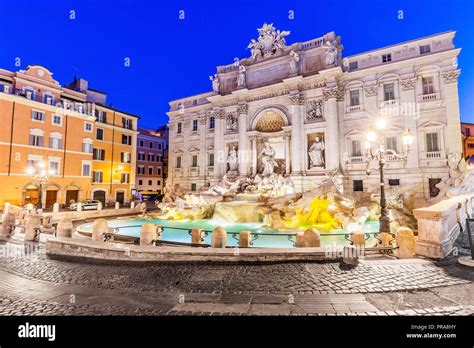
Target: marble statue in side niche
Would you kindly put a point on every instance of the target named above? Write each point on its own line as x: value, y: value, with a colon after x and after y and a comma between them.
x: 232, y: 160
x: 315, y: 152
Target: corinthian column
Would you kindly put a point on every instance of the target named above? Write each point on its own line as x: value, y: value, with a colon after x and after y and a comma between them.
x: 203, y: 147
x: 287, y: 152
x: 219, y: 152
x: 331, y: 96
x: 243, y: 142
x: 296, y: 111
x: 253, y: 139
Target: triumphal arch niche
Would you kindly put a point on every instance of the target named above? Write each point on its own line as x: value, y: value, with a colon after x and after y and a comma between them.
x: 270, y: 129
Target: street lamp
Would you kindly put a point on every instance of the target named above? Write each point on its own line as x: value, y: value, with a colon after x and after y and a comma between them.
x: 381, y: 154
x: 39, y: 172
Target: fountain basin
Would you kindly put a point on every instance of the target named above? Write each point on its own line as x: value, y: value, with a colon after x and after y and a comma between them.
x: 178, y: 231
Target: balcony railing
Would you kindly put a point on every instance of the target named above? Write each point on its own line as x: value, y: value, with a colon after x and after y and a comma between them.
x: 354, y: 108
x: 356, y: 159
x: 389, y: 103
x: 429, y: 97
x: 434, y: 155
x: 46, y: 99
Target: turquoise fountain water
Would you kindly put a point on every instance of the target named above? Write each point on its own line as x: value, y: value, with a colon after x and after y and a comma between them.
x: 177, y: 231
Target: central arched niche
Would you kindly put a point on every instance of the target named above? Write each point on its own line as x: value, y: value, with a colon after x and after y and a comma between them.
x: 270, y: 122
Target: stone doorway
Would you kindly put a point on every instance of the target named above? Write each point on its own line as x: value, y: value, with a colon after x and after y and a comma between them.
x: 99, y: 196
x: 71, y: 195
x: 120, y: 197
x: 31, y: 195
x: 51, y: 197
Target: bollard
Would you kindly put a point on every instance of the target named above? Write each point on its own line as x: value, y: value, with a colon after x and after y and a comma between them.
x: 8, y: 224
x: 245, y: 239
x: 385, y: 239
x: 117, y: 205
x: 300, y: 241
x: 406, y: 243
x: 197, y: 236
x: 99, y: 206
x: 159, y: 232
x: 312, y: 239
x: 350, y: 255
x: 32, y: 226
x: 219, y: 238
x: 64, y: 228
x: 147, y: 234
x: 79, y: 207
x: 358, y: 238
x: 98, y: 229
x: 56, y: 208
x: 132, y: 205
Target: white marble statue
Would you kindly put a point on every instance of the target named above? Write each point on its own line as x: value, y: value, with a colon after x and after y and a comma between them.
x: 215, y: 83
x: 315, y: 152
x: 241, y: 77
x: 232, y: 160
x: 269, y: 41
x: 268, y: 159
x: 295, y: 58
x: 331, y: 53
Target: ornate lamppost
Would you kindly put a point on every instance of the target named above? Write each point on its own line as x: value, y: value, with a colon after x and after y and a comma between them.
x: 39, y: 172
x: 382, y: 154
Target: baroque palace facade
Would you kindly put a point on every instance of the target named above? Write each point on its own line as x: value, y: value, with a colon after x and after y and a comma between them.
x: 88, y: 147
x: 313, y: 108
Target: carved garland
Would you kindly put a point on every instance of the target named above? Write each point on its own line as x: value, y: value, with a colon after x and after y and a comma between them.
x: 408, y: 84
x: 450, y: 76
x: 371, y: 91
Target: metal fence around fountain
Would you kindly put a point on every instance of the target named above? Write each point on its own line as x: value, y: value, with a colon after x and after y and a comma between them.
x: 291, y: 236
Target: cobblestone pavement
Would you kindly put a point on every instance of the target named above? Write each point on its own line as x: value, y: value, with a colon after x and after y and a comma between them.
x: 34, y: 284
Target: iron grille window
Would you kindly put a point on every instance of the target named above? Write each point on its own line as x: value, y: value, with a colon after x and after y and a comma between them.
x: 425, y: 49
x: 386, y: 58
x: 358, y: 185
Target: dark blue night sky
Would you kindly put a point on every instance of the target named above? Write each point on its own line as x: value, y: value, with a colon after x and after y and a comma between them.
x: 172, y: 58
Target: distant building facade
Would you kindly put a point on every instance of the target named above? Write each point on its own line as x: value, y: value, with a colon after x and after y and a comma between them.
x: 59, y: 125
x: 467, y: 130
x: 151, y: 163
x: 313, y: 108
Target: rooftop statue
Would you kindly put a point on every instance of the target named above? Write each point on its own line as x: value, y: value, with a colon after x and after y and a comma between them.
x: 215, y: 83
x: 269, y: 41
